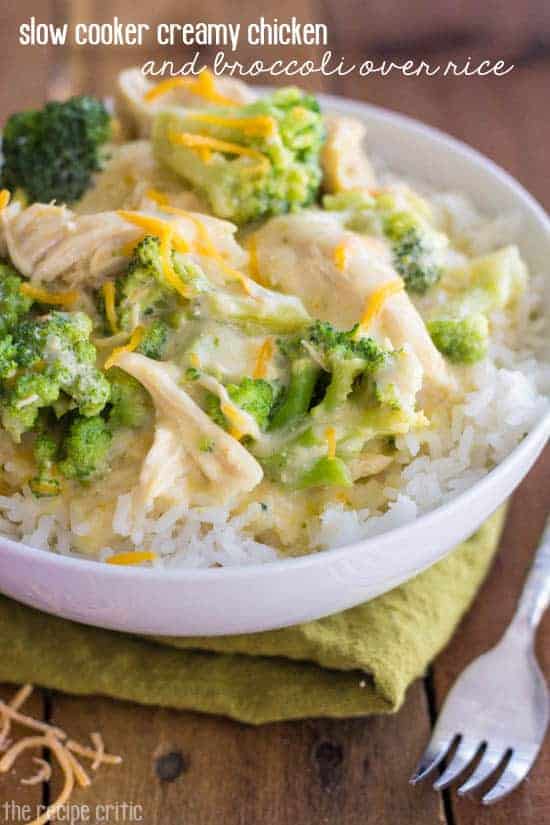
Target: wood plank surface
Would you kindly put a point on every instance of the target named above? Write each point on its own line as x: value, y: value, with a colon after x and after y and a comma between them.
x: 197, y: 770
x: 200, y: 770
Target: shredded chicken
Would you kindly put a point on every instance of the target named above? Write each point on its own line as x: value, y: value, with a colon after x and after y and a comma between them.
x: 296, y: 254
x: 185, y: 432
x: 48, y: 242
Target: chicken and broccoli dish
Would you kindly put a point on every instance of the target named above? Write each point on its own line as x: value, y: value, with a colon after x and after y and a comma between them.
x: 225, y: 338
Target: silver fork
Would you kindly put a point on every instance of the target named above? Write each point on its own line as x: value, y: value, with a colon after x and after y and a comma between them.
x: 500, y: 703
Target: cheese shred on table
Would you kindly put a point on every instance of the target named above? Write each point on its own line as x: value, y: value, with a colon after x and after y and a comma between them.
x: 54, y: 740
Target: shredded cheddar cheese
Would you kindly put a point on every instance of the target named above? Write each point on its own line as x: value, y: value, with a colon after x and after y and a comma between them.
x: 52, y: 739
x: 264, y: 357
x: 7, y: 711
x: 195, y: 361
x: 43, y: 296
x: 253, y: 263
x: 237, y: 421
x: 15, y: 703
x: 97, y: 756
x: 60, y: 752
x: 203, y: 86
x: 5, y: 196
x: 168, y: 239
x: 205, y: 246
x: 330, y: 435
x: 376, y: 301
x: 97, y: 742
x: 132, y: 557
x: 43, y: 774
x: 133, y: 344
x: 340, y: 256
x: 192, y: 141
x: 260, y: 125
x: 110, y: 308
x: 80, y: 774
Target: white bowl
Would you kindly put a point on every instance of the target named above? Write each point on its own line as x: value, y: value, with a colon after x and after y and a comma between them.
x: 281, y: 593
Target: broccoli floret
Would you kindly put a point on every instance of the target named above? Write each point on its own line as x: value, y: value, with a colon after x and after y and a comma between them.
x: 45, y: 450
x: 144, y: 294
x: 416, y: 245
x: 462, y: 340
x: 343, y: 357
x: 8, y: 358
x: 86, y: 448
x: 296, y: 399
x: 51, y: 153
x: 403, y: 219
x: 279, y: 170
x: 154, y: 341
x: 54, y: 360
x: 131, y: 403
x: 253, y: 395
x: 13, y: 303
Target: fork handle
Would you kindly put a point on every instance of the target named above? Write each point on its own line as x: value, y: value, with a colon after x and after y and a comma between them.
x: 535, y: 596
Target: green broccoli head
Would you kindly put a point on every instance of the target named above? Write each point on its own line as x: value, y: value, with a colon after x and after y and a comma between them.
x: 344, y: 358
x: 253, y: 395
x: 404, y: 220
x: 155, y: 340
x: 51, y: 153
x: 45, y: 451
x: 85, y: 448
x: 131, y: 403
x: 13, y: 304
x: 8, y: 358
x: 53, y: 360
x: 462, y: 340
x: 144, y: 295
x: 416, y: 248
x: 266, y: 160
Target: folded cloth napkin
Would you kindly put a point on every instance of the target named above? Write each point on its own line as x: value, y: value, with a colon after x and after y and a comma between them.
x: 351, y: 664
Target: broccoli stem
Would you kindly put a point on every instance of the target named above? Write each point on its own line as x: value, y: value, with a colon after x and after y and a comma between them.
x: 326, y: 472
x: 303, y: 377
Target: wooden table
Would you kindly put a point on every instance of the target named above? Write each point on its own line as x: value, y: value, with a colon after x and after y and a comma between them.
x: 186, y: 768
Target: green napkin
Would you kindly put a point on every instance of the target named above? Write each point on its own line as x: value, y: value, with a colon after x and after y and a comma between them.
x: 351, y: 664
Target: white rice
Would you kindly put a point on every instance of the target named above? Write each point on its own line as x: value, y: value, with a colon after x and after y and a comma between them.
x: 508, y: 395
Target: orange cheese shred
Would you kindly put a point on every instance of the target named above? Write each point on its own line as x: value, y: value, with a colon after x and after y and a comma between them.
x: 43, y: 296
x: 255, y: 125
x: 197, y: 142
x: 110, y: 308
x: 132, y: 557
x: 168, y: 239
x: 203, y: 86
x: 205, y: 245
x: 330, y: 435
x: 376, y: 301
x: 264, y: 357
x: 5, y: 196
x: 253, y: 263
x: 340, y: 256
x: 65, y: 763
x: 15, y: 703
x: 133, y: 344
